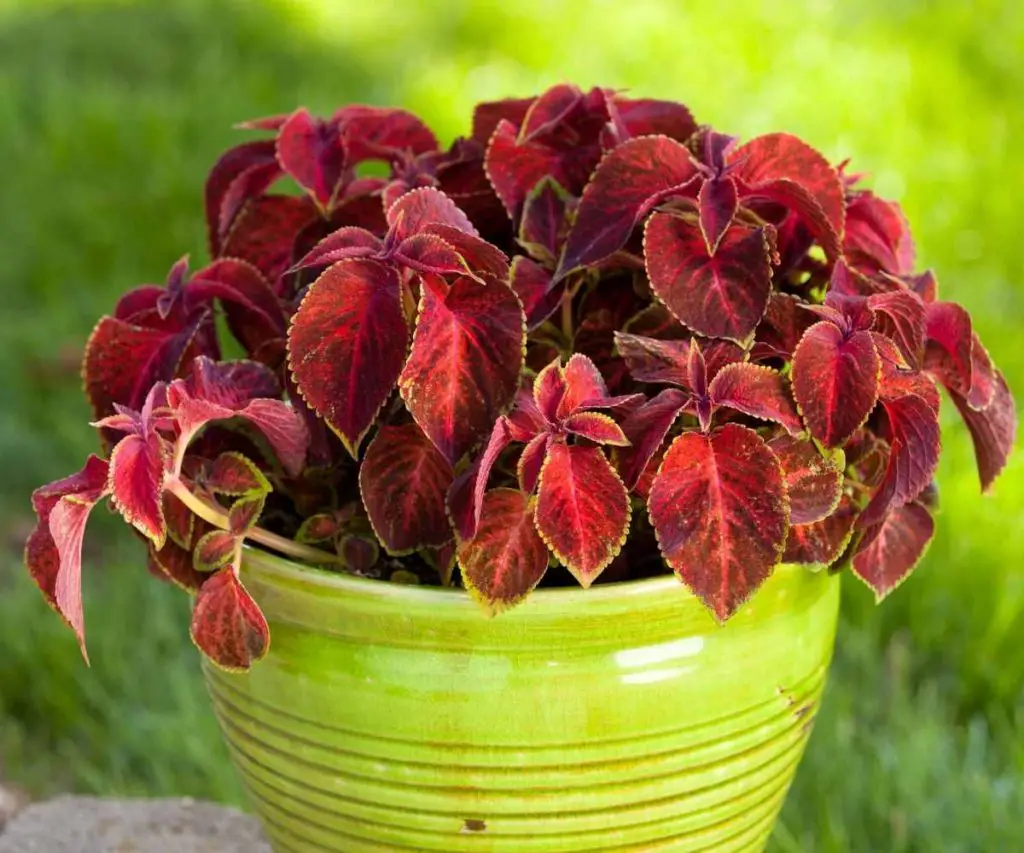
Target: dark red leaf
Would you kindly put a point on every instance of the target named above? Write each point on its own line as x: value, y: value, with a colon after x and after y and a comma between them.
x: 234, y: 474
x: 821, y: 543
x: 382, y: 132
x: 180, y: 521
x: 310, y: 150
x: 347, y: 242
x: 628, y: 182
x: 242, y: 173
x: 890, y: 550
x: 835, y: 381
x: 582, y: 509
x: 783, y: 325
x: 245, y: 512
x: 584, y: 386
x: 814, y: 480
x: 347, y: 345
x: 900, y: 315
x: 319, y: 528
x: 487, y: 116
x: 666, y: 361
x: 717, y: 202
x: 543, y: 226
x: 898, y: 378
x: 426, y: 206
x: 137, y: 470
x: 464, y: 367
x: 532, y: 284
x: 506, y: 558
x: 214, y: 550
x: 403, y: 481
x: 718, y: 506
x: 724, y: 296
x: 479, y: 255
x: 757, y: 391
x: 548, y: 391
x: 427, y: 253
x: 515, y: 166
x: 956, y: 356
x: 993, y: 430
x: 877, y: 235
x: 227, y: 625
x: 531, y: 461
x: 645, y: 429
x: 174, y: 563
x: 265, y: 231
x: 650, y: 117
x: 596, y: 427
x: 466, y: 495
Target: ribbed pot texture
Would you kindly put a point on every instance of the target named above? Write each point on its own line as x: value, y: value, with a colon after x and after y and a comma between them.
x: 620, y: 718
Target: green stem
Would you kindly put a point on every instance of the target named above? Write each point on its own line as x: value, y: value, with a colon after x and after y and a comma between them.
x: 212, y: 514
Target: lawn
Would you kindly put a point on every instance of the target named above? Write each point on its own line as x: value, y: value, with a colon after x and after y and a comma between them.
x: 111, y: 113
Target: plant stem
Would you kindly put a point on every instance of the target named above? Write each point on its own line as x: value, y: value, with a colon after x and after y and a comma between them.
x: 216, y: 516
x: 567, y: 317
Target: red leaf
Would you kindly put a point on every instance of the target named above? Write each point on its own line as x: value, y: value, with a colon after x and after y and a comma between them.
x: 548, y: 390
x: 993, y: 430
x: 627, y: 183
x: 899, y: 379
x: 242, y: 172
x: 506, y: 558
x: 584, y: 385
x: 543, y: 225
x: 426, y: 206
x: 877, y: 235
x: 666, y: 361
x: 245, y: 512
x: 532, y: 284
x: 890, y: 550
x: 900, y: 315
x: 757, y: 391
x: 814, y: 481
x: 227, y: 625
x: 348, y: 242
x: 645, y: 429
x: 648, y: 117
x: 835, y: 381
x: 137, y: 469
x: 464, y: 367
x: 531, y: 461
x: 724, y: 296
x: 265, y: 231
x: 515, y: 166
x: 488, y: 114
x: 956, y: 356
x: 403, y: 481
x: 718, y: 203
x: 783, y: 325
x: 174, y: 563
x: 426, y: 253
x: 310, y: 150
x: 466, y: 495
x: 595, y: 427
x: 377, y: 132
x: 347, y: 344
x: 479, y: 255
x: 53, y: 552
x: 764, y: 163
x: 718, y: 506
x: 582, y: 509
x: 235, y: 475
x: 821, y: 543
x: 214, y: 550
x: 180, y: 521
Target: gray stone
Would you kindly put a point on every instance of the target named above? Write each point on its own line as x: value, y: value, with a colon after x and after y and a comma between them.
x: 91, y: 825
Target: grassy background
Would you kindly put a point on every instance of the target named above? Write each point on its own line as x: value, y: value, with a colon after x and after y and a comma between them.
x: 111, y: 113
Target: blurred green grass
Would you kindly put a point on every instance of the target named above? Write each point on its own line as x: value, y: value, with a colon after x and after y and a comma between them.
x: 113, y: 111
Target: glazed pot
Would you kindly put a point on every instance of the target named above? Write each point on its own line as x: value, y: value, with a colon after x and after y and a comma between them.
x: 621, y: 718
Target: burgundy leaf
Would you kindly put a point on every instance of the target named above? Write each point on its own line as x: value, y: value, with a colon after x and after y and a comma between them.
x: 993, y: 430
x: 136, y: 481
x: 403, y: 481
x: 584, y: 386
x: 245, y: 512
x: 898, y: 378
x: 479, y: 255
x: 266, y: 230
x: 628, y: 182
x: 310, y: 150
x: 466, y: 495
x: 718, y: 202
x: 532, y: 284
x: 582, y: 509
x: 180, y: 521
x: 956, y: 356
x: 835, y: 381
x: 506, y: 558
x: 543, y: 225
x: 900, y: 315
x: 814, y: 480
x: 382, y: 132
x: 242, y: 173
x: 347, y: 345
x: 821, y: 543
x: 174, y: 563
x: 890, y: 550
x: 488, y: 114
x: 724, y: 296
x: 757, y: 391
x: 531, y: 461
x: 595, y: 427
x: 214, y: 550
x: 718, y: 506
x: 227, y: 625
x: 426, y: 206
x: 348, y: 242
x: 783, y: 325
x: 464, y: 367
x: 235, y: 475
x: 877, y: 235
x: 427, y: 253
x: 650, y: 117
x: 645, y: 429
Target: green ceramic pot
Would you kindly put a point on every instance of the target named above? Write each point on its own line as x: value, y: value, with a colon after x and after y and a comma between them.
x: 620, y: 718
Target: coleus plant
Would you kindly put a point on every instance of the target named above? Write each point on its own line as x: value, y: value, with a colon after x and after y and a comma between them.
x: 593, y: 340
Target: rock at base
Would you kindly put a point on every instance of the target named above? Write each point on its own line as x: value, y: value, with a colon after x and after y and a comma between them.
x: 93, y: 825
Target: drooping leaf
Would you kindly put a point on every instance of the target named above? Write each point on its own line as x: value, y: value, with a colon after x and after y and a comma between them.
x: 582, y: 509
x: 403, y: 481
x: 993, y: 430
x: 227, y: 625
x: 137, y: 471
x: 464, y: 366
x: 877, y: 235
x: 891, y: 549
x: 721, y: 296
x: 814, y: 480
x: 506, y: 558
x: 757, y: 391
x: 719, y: 508
x: 821, y: 543
x: 180, y: 521
x: 243, y: 172
x: 835, y: 381
x: 214, y: 550
x: 956, y: 356
x: 347, y: 345
x: 717, y: 202
x: 627, y: 183
x: 645, y: 429
x: 465, y: 498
